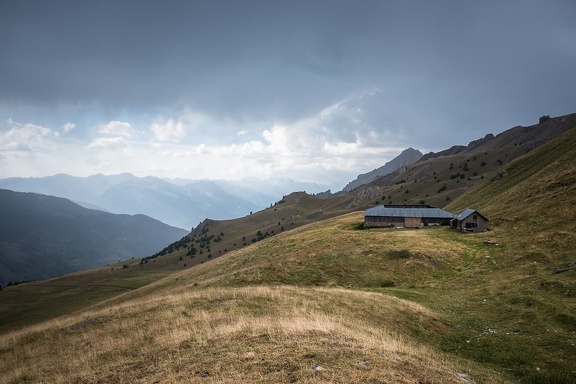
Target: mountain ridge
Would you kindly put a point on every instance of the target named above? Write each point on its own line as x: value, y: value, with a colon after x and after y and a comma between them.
x: 44, y: 236
x: 439, y: 178
x: 406, y: 157
x: 533, y: 135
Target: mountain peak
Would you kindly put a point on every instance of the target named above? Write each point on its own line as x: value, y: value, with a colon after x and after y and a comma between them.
x: 408, y: 156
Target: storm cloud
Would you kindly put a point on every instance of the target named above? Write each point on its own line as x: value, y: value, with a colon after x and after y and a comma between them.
x: 305, y: 89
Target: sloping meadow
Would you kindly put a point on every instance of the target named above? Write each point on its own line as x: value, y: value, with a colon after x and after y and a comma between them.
x: 235, y: 335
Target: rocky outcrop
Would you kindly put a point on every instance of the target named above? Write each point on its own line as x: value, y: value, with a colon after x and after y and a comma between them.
x: 365, y: 195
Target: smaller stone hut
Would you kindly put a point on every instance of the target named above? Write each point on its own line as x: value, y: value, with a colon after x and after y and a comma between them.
x: 470, y: 220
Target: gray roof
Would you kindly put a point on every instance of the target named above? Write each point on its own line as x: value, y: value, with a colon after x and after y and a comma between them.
x: 408, y: 212
x: 467, y: 212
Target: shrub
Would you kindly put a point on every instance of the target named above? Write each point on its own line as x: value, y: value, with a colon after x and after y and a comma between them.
x: 543, y: 119
x: 401, y: 254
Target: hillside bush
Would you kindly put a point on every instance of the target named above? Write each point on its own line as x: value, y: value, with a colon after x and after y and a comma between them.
x: 399, y: 254
x: 543, y: 119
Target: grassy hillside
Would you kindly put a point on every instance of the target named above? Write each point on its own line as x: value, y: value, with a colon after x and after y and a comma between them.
x: 366, y: 305
x: 214, y: 238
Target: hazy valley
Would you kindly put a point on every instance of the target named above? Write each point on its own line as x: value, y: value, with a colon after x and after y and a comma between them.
x: 180, y: 203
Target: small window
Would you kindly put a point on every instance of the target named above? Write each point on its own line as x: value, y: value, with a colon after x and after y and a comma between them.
x: 474, y: 217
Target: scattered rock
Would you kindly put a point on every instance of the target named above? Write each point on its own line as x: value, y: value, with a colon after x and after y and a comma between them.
x: 316, y: 367
x: 364, y: 362
x: 464, y: 377
x: 560, y: 270
x: 499, y: 175
x: 203, y: 373
x: 490, y: 242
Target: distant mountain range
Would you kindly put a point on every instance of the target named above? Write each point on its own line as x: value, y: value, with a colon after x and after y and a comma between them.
x: 44, y: 236
x: 183, y: 203
x: 180, y: 203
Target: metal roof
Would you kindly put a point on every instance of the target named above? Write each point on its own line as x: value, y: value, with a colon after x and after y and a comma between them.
x: 408, y: 212
x: 467, y: 212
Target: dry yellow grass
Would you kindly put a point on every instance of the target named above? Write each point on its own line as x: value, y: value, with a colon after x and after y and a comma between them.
x: 236, y: 335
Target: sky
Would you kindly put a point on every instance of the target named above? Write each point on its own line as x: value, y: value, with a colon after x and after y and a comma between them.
x: 311, y: 90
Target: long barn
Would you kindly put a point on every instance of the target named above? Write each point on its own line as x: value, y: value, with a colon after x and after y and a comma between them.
x: 406, y: 216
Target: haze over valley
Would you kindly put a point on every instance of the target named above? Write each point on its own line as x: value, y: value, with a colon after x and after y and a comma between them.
x: 180, y: 203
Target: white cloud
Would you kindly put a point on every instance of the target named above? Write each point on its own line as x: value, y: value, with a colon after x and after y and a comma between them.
x: 68, y: 127
x: 341, y: 148
x: 338, y: 129
x: 333, y: 144
x: 249, y: 149
x: 337, y: 140
x: 175, y: 130
x: 108, y: 142
x: 23, y: 137
x: 167, y: 130
x: 116, y: 128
